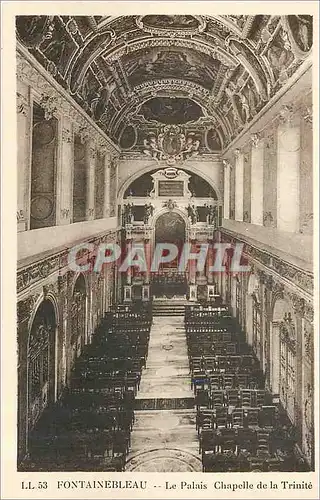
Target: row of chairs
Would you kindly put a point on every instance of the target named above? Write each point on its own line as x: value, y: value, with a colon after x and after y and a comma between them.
x: 234, y: 416
x: 89, y: 429
x: 236, y: 440
x: 239, y: 428
x: 229, y: 417
x: 223, y: 381
x: 238, y: 397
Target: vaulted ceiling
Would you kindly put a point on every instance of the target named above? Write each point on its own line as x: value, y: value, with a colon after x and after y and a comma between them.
x: 133, y: 74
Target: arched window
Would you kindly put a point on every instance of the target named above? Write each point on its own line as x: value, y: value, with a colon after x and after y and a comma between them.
x: 287, y: 364
x: 256, y: 324
x: 41, y: 361
x: 78, y: 317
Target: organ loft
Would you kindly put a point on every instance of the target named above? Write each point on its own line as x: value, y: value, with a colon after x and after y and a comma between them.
x: 165, y: 318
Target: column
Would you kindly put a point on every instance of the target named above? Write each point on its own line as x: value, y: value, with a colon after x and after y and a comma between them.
x: 210, y: 262
x: 192, y: 264
x: 106, y: 207
x: 148, y: 255
x: 114, y: 187
x: 226, y: 189
x: 24, y: 128
x: 308, y: 392
x: 299, y: 308
x: 65, y: 172
x: 288, y: 156
x: 239, y: 185
x: 247, y: 184
x: 257, y: 155
x: 306, y: 172
x: 128, y: 283
x: 91, y: 163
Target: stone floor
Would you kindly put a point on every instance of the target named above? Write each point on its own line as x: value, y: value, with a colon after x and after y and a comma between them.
x: 167, y: 371
x: 165, y: 440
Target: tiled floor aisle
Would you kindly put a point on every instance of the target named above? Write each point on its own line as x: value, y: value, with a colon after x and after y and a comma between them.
x: 165, y: 440
x: 167, y: 371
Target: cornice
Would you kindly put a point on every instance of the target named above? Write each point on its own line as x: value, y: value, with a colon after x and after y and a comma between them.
x: 81, y: 115
x: 270, y: 112
x: 294, y: 278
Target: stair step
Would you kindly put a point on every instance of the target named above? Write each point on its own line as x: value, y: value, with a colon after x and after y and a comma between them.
x: 168, y: 308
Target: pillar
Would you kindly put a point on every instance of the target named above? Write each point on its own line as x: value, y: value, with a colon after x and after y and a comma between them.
x: 210, y: 262
x: 65, y: 172
x: 288, y: 165
x: 257, y: 155
x: 91, y: 164
x: 247, y: 184
x: 226, y: 189
x: 239, y: 186
x: 306, y: 172
x: 24, y: 128
x: 106, y: 207
x: 147, y: 248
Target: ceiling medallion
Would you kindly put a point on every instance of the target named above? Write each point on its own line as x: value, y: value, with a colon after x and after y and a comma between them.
x: 171, y: 145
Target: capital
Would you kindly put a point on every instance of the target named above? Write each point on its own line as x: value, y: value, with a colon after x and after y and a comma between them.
x: 255, y: 139
x: 226, y: 163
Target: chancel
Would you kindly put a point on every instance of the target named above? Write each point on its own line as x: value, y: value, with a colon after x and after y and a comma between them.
x: 165, y: 132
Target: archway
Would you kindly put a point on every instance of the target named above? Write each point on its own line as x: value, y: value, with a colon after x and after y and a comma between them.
x: 168, y: 281
x: 253, y: 314
x: 41, y: 362
x: 78, y: 317
x: 283, y: 355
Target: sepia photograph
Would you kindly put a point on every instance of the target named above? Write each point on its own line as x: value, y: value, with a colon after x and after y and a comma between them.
x: 165, y: 245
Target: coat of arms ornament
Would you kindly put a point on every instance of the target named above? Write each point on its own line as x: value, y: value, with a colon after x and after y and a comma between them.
x: 171, y: 145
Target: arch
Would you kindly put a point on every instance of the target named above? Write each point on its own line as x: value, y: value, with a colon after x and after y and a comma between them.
x: 175, y: 282
x: 163, y: 211
x: 148, y: 168
x: 41, y: 380
x: 253, y: 284
x: 144, y: 92
x: 79, y: 316
x: 78, y: 275
x: 283, y: 354
x: 280, y: 308
x: 254, y: 325
x: 44, y: 296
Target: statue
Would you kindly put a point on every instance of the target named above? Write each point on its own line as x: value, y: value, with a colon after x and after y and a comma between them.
x: 193, y: 214
x: 212, y: 215
x: 151, y: 148
x: 128, y: 216
x: 148, y: 212
x: 245, y: 107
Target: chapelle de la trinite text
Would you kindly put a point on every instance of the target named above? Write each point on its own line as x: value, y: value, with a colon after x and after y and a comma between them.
x: 170, y: 485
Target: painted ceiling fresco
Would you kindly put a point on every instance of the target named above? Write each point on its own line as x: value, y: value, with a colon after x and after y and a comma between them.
x: 133, y: 74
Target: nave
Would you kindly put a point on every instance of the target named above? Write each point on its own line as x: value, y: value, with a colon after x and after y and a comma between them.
x: 172, y: 393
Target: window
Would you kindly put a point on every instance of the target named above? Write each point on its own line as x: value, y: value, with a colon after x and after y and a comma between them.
x: 39, y: 362
x: 287, y: 365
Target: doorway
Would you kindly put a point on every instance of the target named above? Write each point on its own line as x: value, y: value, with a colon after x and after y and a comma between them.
x: 168, y: 281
